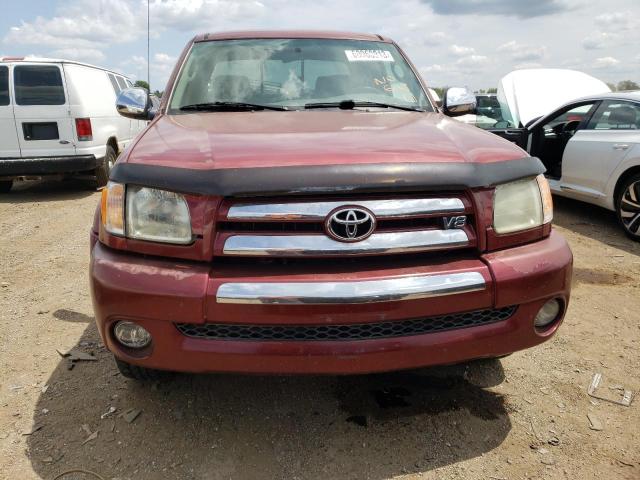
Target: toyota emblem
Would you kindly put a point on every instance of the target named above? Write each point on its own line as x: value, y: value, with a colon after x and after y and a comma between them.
x: 350, y: 224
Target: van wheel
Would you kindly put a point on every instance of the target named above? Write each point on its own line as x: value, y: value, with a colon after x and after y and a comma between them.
x: 628, y: 207
x: 140, y: 373
x: 102, y: 172
x: 5, y: 186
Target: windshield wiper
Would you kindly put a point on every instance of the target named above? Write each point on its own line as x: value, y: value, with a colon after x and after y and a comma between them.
x: 351, y: 104
x: 230, y: 106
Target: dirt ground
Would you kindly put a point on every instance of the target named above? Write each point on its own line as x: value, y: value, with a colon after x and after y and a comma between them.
x: 529, y: 420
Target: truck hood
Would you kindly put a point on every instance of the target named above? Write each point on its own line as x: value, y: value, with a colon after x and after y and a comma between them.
x: 222, y: 140
x: 530, y: 93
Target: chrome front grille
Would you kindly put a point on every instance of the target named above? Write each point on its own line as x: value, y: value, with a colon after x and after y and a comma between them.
x: 319, y: 210
x: 378, y: 243
x: 295, y: 228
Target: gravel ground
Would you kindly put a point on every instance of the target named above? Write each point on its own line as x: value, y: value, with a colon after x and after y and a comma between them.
x: 519, y: 418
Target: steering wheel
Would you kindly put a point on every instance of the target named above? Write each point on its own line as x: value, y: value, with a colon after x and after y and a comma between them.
x: 571, y: 127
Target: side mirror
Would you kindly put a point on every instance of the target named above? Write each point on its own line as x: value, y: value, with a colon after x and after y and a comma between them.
x: 134, y: 103
x: 459, y: 101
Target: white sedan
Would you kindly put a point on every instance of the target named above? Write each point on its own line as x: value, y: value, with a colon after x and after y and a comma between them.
x: 591, y: 149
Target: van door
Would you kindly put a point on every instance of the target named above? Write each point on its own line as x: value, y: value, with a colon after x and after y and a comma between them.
x: 9, y: 145
x: 41, y: 107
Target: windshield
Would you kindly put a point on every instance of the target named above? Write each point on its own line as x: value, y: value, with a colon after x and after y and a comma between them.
x: 293, y: 73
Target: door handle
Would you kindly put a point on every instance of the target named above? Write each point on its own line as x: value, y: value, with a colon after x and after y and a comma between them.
x: 620, y: 146
x: 64, y: 142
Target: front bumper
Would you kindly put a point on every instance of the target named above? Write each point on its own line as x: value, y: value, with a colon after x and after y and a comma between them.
x: 37, y: 166
x: 160, y: 293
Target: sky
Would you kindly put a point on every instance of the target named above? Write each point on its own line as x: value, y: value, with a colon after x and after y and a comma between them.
x: 469, y: 43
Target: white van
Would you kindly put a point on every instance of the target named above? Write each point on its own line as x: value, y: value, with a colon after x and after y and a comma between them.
x: 58, y: 117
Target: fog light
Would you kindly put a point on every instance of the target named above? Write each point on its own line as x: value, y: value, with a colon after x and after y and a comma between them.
x: 131, y: 335
x: 547, y: 314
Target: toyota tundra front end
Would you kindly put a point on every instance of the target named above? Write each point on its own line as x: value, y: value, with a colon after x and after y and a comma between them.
x: 299, y: 205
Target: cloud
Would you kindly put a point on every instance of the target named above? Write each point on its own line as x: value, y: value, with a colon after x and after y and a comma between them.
x: 161, y: 67
x: 435, y: 68
x: 460, y: 51
x: 85, y: 54
x: 85, y: 27
x: 615, y: 20
x: 521, y: 9
x: 472, y: 63
x: 202, y: 14
x: 598, y: 40
x: 435, y: 38
x: 606, y: 62
x: 527, y: 65
x: 473, y: 60
x: 523, y: 53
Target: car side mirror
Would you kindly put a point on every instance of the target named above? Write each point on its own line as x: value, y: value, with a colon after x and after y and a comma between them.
x: 134, y: 103
x: 459, y: 101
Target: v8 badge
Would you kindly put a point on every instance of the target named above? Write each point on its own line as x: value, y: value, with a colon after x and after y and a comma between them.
x: 454, y: 222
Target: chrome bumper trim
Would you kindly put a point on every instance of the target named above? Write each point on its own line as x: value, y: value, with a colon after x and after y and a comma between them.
x: 378, y: 243
x: 319, y: 210
x: 370, y: 291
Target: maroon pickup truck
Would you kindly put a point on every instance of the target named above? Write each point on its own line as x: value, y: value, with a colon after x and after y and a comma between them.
x: 298, y: 204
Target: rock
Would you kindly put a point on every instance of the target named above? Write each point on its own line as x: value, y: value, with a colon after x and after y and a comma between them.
x: 91, y: 437
x: 358, y: 420
x: 594, y: 423
x: 131, y: 414
x: 555, y: 441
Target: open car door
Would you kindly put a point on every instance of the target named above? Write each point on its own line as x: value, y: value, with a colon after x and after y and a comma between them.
x: 526, y: 95
x: 519, y: 136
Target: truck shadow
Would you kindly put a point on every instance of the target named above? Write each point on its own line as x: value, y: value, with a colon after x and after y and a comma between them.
x: 47, y: 191
x: 594, y: 222
x: 234, y: 426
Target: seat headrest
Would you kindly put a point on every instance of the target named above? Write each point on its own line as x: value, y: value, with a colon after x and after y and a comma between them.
x: 231, y: 88
x: 332, y: 85
x: 622, y: 116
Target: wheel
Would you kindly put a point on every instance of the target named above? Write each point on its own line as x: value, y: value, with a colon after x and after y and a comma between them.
x: 5, y: 186
x: 628, y: 207
x: 140, y: 373
x: 102, y: 171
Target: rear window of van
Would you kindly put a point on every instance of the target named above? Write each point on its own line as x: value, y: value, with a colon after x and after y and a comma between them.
x: 114, y: 83
x: 38, y: 85
x: 4, y: 85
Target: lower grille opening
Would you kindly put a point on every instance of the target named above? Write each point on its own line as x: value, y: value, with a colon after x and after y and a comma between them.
x: 358, y: 331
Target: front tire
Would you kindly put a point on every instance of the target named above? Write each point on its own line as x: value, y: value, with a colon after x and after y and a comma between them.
x: 103, y: 170
x: 628, y: 206
x: 140, y: 374
x: 5, y: 186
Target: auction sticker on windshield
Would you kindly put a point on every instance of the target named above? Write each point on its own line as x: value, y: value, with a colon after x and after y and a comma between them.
x: 368, y: 56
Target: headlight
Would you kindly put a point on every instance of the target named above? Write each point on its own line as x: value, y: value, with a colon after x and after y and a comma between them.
x: 522, y: 205
x: 151, y: 214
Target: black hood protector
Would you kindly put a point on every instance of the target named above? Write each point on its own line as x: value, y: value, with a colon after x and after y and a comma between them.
x: 319, y: 179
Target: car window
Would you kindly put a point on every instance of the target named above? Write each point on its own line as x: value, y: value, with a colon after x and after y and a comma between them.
x: 294, y: 72
x: 121, y: 83
x: 129, y: 84
x: 38, y: 85
x: 114, y: 83
x: 485, y: 101
x: 576, y: 114
x: 616, y: 115
x: 4, y: 86
x: 568, y: 121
